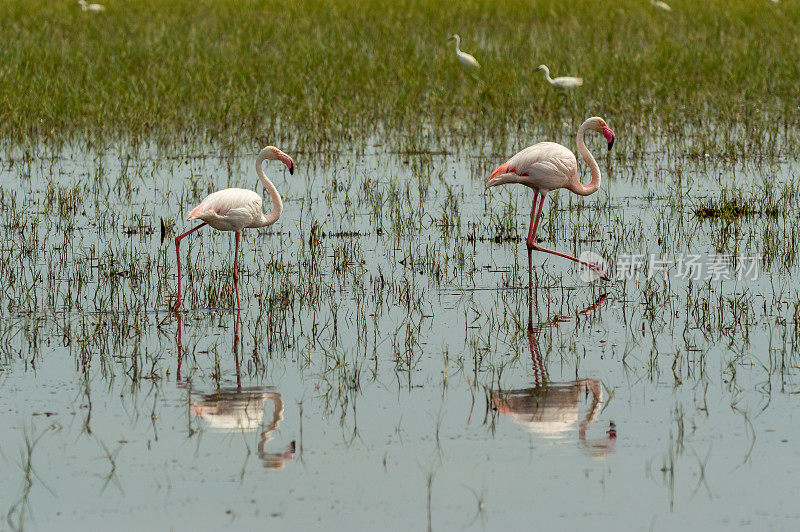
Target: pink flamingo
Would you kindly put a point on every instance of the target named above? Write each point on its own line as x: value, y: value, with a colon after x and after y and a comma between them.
x: 549, y: 166
x: 234, y: 209
x: 550, y: 409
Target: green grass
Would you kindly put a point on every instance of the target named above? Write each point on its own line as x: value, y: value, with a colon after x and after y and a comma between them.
x: 718, y: 75
x: 765, y: 199
x: 726, y: 209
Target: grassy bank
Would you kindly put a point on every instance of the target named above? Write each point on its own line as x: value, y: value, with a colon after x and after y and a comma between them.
x: 314, y: 73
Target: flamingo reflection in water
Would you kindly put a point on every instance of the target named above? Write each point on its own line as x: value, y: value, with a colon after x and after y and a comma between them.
x: 552, y: 409
x: 238, y: 409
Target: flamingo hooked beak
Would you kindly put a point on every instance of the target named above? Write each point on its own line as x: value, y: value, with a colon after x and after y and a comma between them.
x: 502, y: 169
x: 285, y: 159
x: 609, y: 135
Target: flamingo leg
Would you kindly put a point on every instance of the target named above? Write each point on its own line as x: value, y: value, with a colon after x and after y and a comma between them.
x: 535, y: 223
x: 530, y: 249
x: 236, y: 350
x: 532, y: 245
x: 531, y: 240
x: 533, y: 217
x: 594, y: 267
x: 179, y: 345
x: 178, y: 257
x: 236, y: 270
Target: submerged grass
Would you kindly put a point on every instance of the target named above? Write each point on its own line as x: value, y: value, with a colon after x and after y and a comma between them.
x: 766, y: 199
x: 725, y: 209
x: 316, y: 73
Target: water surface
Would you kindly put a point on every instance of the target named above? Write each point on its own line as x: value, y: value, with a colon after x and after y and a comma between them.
x: 389, y: 367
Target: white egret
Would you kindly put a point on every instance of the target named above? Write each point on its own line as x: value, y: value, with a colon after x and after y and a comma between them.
x: 92, y: 8
x: 660, y: 5
x: 467, y: 60
x: 564, y: 83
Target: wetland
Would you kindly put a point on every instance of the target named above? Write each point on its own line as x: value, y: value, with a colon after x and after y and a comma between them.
x: 389, y: 366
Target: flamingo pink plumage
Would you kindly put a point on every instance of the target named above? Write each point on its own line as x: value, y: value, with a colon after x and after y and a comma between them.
x: 234, y: 209
x: 549, y: 166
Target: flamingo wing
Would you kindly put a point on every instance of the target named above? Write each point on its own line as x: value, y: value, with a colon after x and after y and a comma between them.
x: 231, y: 209
x: 545, y: 166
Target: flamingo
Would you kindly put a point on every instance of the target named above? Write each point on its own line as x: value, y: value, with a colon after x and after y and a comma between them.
x: 549, y: 166
x: 237, y: 409
x: 563, y: 83
x: 234, y: 209
x: 242, y: 410
x: 467, y: 60
x: 94, y: 8
x: 551, y: 409
x: 660, y: 5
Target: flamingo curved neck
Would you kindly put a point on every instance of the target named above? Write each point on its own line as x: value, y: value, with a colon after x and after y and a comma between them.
x: 576, y: 186
x: 277, y: 202
x: 458, y: 44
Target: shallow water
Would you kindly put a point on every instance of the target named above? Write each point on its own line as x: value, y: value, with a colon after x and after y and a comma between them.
x: 386, y: 368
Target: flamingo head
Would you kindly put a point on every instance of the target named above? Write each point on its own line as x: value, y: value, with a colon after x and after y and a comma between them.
x: 453, y: 37
x: 543, y: 68
x: 501, y: 406
x: 274, y: 154
x: 599, y: 125
x: 501, y: 176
